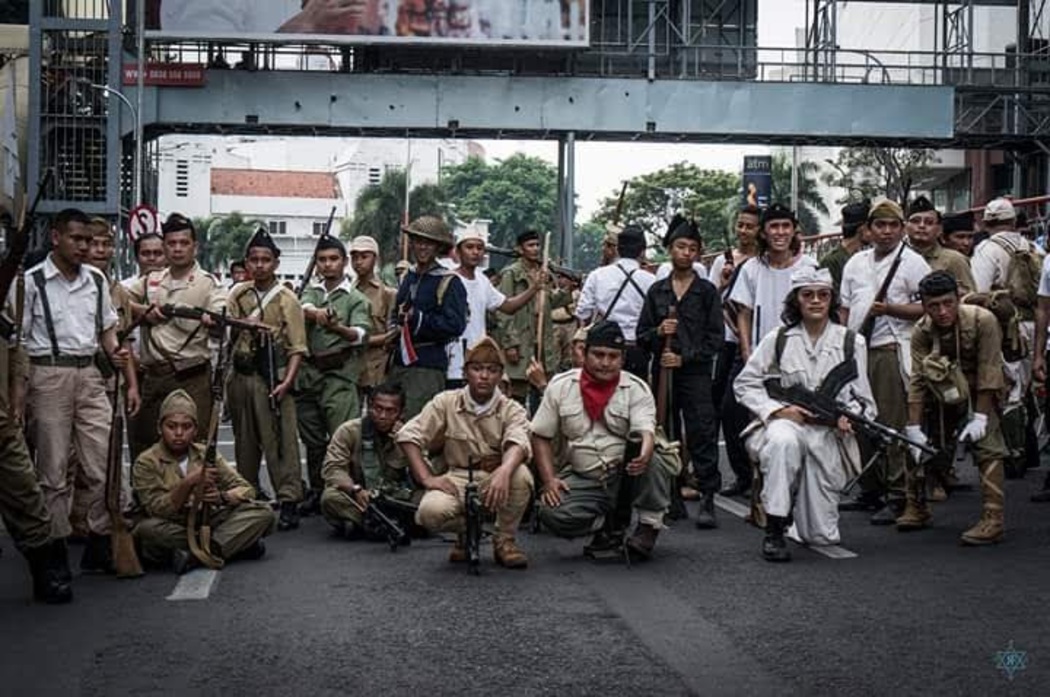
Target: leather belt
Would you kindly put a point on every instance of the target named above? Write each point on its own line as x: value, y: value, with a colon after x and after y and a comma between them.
x: 884, y: 347
x: 164, y: 369
x: 62, y: 361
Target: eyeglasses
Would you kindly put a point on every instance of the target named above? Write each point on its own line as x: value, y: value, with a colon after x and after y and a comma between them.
x: 823, y: 294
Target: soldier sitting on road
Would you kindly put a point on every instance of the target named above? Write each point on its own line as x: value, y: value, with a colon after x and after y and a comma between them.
x: 957, y: 369
x: 362, y: 459
x: 165, y: 477
x: 477, y: 426
x: 595, y: 409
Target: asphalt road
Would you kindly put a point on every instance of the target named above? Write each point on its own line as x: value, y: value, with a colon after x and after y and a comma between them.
x: 905, y: 614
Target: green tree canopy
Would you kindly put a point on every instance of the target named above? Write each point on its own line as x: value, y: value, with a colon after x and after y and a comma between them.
x: 652, y: 199
x: 221, y: 239
x: 516, y: 194
x: 379, y: 207
x: 810, y: 202
x: 871, y: 172
x: 587, y: 245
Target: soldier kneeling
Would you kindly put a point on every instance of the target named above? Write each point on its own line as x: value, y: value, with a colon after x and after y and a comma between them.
x: 165, y: 477
x: 362, y: 461
x: 957, y: 371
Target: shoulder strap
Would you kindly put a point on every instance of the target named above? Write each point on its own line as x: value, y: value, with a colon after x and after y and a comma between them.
x: 619, y: 292
x: 38, y: 279
x: 265, y: 300
x: 98, y: 303
x: 850, y: 347
x: 442, y: 288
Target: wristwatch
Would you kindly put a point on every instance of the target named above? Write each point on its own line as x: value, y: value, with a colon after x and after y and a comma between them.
x: 356, y: 489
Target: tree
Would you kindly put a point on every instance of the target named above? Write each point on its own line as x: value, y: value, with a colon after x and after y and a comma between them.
x: 379, y: 208
x: 810, y: 202
x: 871, y: 172
x: 587, y: 245
x: 221, y: 239
x: 652, y: 199
x: 516, y: 194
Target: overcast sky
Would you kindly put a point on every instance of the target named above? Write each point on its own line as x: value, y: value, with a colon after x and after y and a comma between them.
x: 601, y: 167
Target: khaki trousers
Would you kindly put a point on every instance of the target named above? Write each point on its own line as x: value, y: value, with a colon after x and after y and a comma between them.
x: 440, y: 512
x: 232, y: 531
x: 257, y: 433
x: 22, y: 504
x: 68, y: 407
x: 887, y: 387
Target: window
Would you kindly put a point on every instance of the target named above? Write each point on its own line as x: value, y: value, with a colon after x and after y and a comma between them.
x: 375, y: 175
x: 182, y: 178
x: 278, y: 228
x: 319, y: 228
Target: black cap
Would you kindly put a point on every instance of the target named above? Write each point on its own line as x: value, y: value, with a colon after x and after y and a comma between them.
x: 528, y: 236
x: 778, y: 211
x: 938, y: 283
x: 177, y: 222
x: 680, y: 228
x: 331, y: 242
x: 921, y: 204
x: 262, y: 239
x: 854, y: 215
x: 960, y: 222
x: 606, y: 334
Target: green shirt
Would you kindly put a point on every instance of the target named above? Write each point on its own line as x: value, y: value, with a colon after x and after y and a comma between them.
x: 834, y: 261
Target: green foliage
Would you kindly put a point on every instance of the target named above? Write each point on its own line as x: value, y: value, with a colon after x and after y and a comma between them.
x: 222, y: 239
x: 652, y: 199
x: 871, y: 172
x: 378, y: 210
x: 587, y: 245
x: 810, y: 202
x: 516, y: 194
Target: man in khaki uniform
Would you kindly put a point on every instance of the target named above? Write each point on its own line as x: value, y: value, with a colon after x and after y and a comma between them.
x: 174, y: 351
x: 22, y: 505
x: 957, y: 369
x: 165, y: 477
x: 337, y: 323
x: 923, y: 226
x: 594, y: 408
x: 474, y: 425
x: 364, y: 258
x: 256, y: 428
x: 363, y: 458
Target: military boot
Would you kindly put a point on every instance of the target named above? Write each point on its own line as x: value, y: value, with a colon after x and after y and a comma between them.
x: 643, y: 541
x: 989, y: 529
x: 888, y: 514
x: 458, y: 553
x: 506, y: 553
x: 49, y: 567
x: 705, y: 517
x: 602, y: 542
x: 774, y: 546
x: 98, y: 556
x: 916, y: 514
x: 289, y: 518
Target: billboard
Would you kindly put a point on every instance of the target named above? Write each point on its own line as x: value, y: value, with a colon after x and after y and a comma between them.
x: 527, y: 23
x: 758, y: 180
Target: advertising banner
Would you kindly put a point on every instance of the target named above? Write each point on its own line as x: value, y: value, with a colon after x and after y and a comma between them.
x: 166, y: 74
x: 527, y: 23
x: 758, y: 180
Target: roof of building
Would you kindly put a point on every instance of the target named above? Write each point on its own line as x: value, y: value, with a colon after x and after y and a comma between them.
x: 281, y: 184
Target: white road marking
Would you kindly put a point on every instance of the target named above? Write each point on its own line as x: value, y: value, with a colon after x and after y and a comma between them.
x: 195, y: 585
x: 742, y: 511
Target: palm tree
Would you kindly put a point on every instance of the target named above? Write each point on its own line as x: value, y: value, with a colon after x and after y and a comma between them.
x: 810, y: 202
x: 222, y: 239
x: 379, y: 209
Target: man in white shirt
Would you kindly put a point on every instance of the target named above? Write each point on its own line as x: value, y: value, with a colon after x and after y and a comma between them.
x: 482, y: 297
x: 884, y: 313
x: 68, y: 318
x: 617, y: 293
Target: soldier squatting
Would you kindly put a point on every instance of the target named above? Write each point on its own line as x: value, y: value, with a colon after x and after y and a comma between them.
x: 448, y: 404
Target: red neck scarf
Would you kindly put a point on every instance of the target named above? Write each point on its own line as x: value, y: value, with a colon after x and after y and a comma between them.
x: 596, y: 395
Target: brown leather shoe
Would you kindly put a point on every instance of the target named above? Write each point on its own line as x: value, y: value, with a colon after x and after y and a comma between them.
x: 507, y: 553
x: 642, y: 542
x: 458, y: 553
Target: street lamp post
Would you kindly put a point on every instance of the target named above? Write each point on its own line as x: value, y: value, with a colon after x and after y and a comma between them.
x: 136, y: 179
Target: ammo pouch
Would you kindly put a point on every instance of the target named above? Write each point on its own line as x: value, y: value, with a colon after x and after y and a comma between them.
x: 945, y: 379
x: 329, y: 360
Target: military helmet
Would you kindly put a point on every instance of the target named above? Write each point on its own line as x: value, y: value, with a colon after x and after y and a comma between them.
x: 431, y: 227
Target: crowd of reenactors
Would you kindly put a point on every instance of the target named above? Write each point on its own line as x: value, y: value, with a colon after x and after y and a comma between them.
x: 570, y: 407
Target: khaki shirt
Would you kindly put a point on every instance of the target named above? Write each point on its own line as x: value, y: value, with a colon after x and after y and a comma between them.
x: 180, y: 341
x: 942, y: 259
x: 156, y: 473
x: 283, y: 312
x: 342, y: 465
x: 594, y: 446
x: 447, y: 423
x: 382, y: 298
x: 980, y: 342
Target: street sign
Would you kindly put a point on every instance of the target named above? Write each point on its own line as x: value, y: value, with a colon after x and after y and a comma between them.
x: 166, y: 75
x: 143, y: 220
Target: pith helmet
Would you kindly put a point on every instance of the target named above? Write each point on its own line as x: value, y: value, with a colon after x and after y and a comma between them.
x: 430, y: 227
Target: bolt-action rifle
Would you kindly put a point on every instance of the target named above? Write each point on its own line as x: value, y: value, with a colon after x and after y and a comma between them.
x: 571, y: 274
x: 473, y: 514
x: 376, y: 521
x: 309, y: 274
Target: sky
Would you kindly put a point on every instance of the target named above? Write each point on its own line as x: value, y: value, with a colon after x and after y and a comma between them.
x: 602, y: 167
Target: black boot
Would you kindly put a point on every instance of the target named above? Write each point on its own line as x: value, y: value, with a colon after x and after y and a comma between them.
x: 774, y: 546
x: 705, y: 517
x: 182, y: 561
x: 311, y: 504
x: 98, y: 555
x: 289, y: 519
x: 889, y: 513
x: 49, y: 567
x: 1043, y: 496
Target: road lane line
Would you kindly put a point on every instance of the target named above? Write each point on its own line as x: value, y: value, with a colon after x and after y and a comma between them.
x: 741, y: 511
x: 195, y: 585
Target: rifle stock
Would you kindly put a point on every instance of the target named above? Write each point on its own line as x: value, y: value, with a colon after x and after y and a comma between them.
x: 125, y: 560
x: 541, y: 302
x: 663, y: 386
